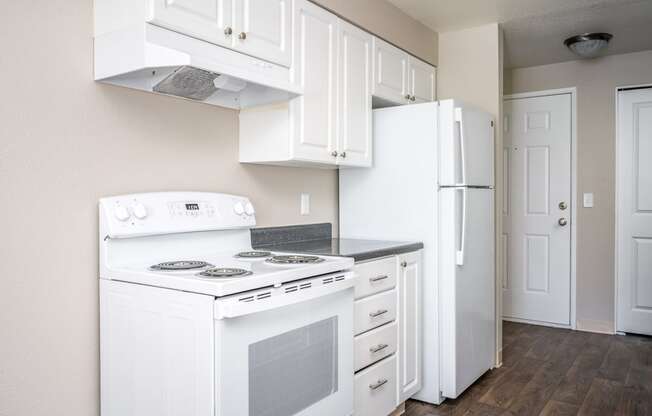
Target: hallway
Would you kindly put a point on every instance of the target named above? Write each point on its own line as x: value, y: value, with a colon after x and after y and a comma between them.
x: 549, y: 371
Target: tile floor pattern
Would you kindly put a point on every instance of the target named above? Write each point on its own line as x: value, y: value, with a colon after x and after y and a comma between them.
x: 550, y: 371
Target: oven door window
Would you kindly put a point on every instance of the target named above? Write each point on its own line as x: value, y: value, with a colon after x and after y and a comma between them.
x: 294, y: 370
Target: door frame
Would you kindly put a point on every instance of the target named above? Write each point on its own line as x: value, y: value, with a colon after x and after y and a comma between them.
x: 573, y: 272
x: 617, y: 196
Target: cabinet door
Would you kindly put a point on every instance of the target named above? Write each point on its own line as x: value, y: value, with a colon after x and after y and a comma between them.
x: 314, y: 114
x: 263, y: 29
x: 409, y: 325
x: 390, y: 72
x: 355, y: 47
x: 422, y: 80
x: 208, y: 20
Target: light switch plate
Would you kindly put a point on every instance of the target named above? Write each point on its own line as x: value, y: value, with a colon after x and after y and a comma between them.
x: 588, y: 200
x: 305, y: 204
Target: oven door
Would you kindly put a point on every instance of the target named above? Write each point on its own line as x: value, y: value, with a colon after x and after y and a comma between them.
x: 286, y: 351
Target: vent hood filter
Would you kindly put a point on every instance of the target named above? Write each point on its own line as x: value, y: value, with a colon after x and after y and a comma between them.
x: 188, y: 82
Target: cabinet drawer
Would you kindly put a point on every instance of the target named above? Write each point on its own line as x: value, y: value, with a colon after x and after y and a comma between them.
x: 375, y: 276
x: 375, y: 389
x: 374, y: 311
x: 375, y: 345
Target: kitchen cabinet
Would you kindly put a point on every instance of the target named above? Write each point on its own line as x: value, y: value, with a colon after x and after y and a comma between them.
x: 387, y: 327
x: 330, y: 124
x: 409, y: 325
x: 421, y: 81
x: 390, y: 72
x: 355, y: 132
x: 260, y: 28
x: 400, y: 78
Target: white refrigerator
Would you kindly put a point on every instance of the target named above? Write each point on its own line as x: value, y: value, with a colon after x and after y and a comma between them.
x: 433, y: 181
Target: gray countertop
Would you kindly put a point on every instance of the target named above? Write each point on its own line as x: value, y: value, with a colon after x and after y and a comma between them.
x: 317, y: 239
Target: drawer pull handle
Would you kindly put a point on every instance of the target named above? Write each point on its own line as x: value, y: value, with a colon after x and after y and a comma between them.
x: 378, y: 348
x: 378, y: 313
x: 378, y: 278
x: 378, y: 384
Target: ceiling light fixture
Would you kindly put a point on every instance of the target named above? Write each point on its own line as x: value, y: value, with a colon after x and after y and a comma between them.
x: 588, y: 45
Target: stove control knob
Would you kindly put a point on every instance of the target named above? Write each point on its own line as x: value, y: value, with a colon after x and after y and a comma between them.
x: 139, y: 211
x: 249, y: 209
x: 238, y: 208
x: 122, y: 213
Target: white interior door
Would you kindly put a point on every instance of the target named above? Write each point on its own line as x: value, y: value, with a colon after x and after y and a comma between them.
x: 537, y: 209
x: 634, y: 238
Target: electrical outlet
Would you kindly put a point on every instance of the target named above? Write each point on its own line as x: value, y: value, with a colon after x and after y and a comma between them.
x: 588, y: 200
x: 305, y: 204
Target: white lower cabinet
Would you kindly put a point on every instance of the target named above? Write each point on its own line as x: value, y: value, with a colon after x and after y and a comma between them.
x: 375, y: 389
x: 387, y: 327
x: 409, y: 325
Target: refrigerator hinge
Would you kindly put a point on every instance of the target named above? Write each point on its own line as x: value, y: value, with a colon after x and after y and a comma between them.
x: 458, y: 114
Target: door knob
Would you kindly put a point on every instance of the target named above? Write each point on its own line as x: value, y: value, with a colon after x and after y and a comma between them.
x: 562, y: 222
x: 242, y: 36
x: 404, y: 264
x: 563, y: 205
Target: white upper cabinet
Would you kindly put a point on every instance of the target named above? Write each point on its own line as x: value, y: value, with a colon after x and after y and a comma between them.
x: 390, y: 72
x: 314, y: 115
x: 209, y: 20
x: 340, y: 68
x: 355, y: 81
x: 260, y: 28
x: 400, y: 78
x: 422, y: 81
x: 263, y: 29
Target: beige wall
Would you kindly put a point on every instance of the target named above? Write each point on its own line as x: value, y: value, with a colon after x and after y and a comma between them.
x: 385, y: 20
x: 65, y: 141
x: 471, y: 69
x: 596, y: 81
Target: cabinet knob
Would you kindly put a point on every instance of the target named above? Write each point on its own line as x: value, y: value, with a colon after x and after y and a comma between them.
x: 334, y: 153
x: 343, y: 154
x: 413, y: 98
x: 408, y: 97
x: 228, y: 31
x: 404, y: 264
x: 242, y: 36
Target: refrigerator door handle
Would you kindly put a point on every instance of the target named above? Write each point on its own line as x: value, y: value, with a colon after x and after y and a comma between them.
x: 461, y: 157
x: 459, y: 255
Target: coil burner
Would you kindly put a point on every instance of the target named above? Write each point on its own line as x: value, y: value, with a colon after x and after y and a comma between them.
x: 175, y: 266
x: 294, y: 259
x: 224, y: 273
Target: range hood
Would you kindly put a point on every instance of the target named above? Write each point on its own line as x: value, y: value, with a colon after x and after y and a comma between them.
x: 154, y: 59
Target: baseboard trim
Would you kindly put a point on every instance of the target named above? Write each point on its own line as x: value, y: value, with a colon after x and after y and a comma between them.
x: 399, y: 410
x: 598, y: 327
x: 540, y: 323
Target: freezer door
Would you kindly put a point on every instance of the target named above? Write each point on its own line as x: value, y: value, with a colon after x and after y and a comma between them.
x: 467, y: 279
x: 466, y: 145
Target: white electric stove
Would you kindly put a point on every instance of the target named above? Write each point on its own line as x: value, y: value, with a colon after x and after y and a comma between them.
x: 196, y: 322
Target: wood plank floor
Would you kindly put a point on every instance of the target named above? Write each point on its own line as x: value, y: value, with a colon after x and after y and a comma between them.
x: 549, y: 371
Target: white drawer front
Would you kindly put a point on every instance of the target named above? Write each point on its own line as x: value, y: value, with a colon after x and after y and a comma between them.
x: 375, y: 276
x: 375, y: 389
x: 374, y: 311
x: 375, y: 345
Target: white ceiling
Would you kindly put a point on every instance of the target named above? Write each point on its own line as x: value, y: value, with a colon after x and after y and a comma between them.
x: 535, y: 29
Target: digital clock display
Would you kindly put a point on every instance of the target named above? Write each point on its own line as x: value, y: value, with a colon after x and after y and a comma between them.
x: 192, y: 207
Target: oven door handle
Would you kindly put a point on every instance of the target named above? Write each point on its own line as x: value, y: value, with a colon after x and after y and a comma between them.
x: 259, y: 300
